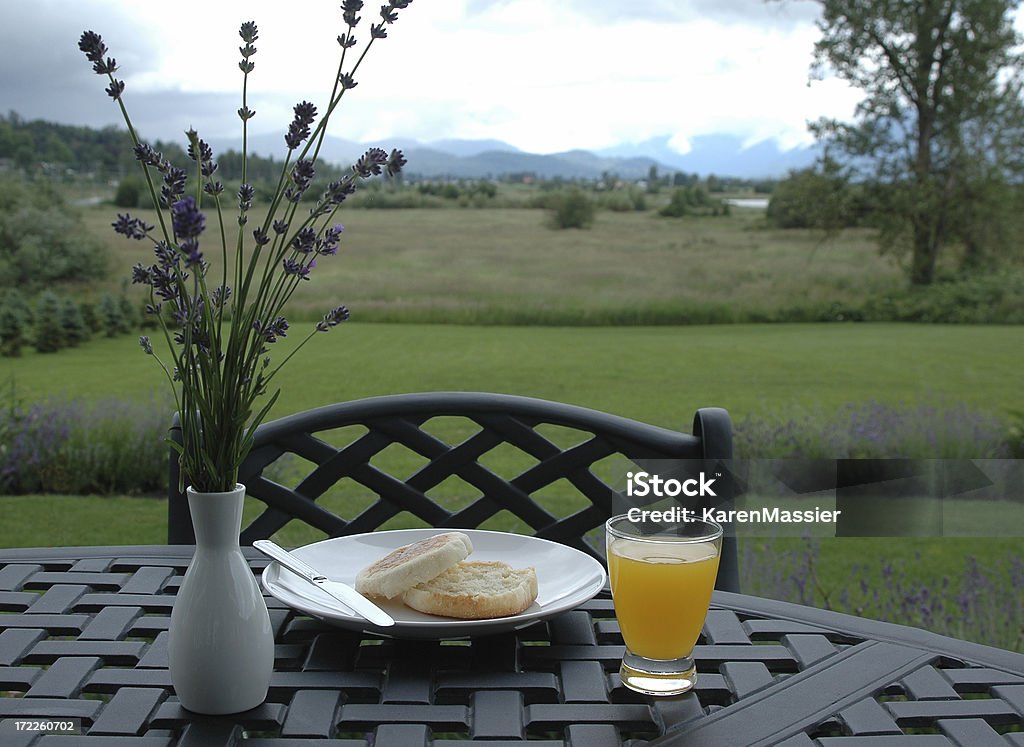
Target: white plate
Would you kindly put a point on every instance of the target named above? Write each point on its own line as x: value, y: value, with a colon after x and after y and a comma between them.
x: 566, y: 578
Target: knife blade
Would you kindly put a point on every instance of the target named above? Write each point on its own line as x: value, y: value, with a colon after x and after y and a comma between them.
x: 344, y: 593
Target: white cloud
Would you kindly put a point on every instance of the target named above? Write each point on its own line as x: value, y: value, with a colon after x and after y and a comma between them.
x: 543, y: 76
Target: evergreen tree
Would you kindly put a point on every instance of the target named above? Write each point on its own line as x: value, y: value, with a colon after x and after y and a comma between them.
x: 13, y: 327
x: 110, y: 315
x: 129, y: 313
x: 71, y: 321
x: 49, y: 335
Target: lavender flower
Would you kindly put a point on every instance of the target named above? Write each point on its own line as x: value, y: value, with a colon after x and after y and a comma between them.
x: 193, y: 257
x: 371, y: 162
x: 298, y: 130
x: 303, y: 173
x: 337, y: 191
x: 245, y: 194
x: 147, y: 346
x: 350, y: 8
x: 220, y: 295
x: 95, y: 51
x: 291, y: 267
x: 333, y: 318
x: 115, y: 89
x: 142, y: 274
x: 304, y: 240
x: 395, y: 162
x: 132, y: 228
x: 199, y: 151
x: 174, y: 185
x: 272, y: 330
x: 328, y: 244
x: 146, y: 155
x: 166, y: 257
x: 248, y: 32
x: 280, y: 227
x: 186, y: 218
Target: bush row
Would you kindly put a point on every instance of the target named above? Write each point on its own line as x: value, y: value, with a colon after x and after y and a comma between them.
x: 979, y: 605
x: 53, y: 322
x: 109, y: 447
x: 874, y: 430
x: 117, y: 447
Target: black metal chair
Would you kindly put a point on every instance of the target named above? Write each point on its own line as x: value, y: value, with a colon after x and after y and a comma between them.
x: 495, y: 421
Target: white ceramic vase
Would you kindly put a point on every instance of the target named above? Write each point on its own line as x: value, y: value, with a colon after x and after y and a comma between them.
x: 221, y: 645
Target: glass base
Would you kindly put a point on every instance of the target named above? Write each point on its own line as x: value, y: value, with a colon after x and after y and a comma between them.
x: 658, y: 676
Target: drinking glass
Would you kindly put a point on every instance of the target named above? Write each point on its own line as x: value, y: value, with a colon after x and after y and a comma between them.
x: 662, y: 576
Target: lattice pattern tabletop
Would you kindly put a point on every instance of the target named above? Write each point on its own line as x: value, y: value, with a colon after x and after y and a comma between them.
x: 83, y: 633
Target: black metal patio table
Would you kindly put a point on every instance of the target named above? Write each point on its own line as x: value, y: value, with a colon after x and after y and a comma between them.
x: 83, y: 635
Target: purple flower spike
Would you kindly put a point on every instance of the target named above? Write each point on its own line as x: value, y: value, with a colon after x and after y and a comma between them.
x: 304, y: 240
x: 333, y: 318
x: 95, y: 51
x: 291, y: 267
x: 329, y: 243
x: 131, y: 228
x: 298, y: 130
x: 245, y: 194
x: 186, y: 218
x: 190, y: 248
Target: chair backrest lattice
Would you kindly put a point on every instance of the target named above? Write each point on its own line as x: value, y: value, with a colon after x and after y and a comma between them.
x: 402, y: 427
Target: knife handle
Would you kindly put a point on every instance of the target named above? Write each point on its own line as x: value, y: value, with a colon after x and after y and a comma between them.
x: 286, y: 559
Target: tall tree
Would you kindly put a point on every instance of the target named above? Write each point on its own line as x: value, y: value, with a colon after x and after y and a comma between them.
x: 941, y: 125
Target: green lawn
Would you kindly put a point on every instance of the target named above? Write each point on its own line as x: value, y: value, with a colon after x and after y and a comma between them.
x: 655, y: 374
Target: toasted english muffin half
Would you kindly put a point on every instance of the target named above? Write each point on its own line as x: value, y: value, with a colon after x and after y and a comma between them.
x: 474, y: 590
x: 401, y: 569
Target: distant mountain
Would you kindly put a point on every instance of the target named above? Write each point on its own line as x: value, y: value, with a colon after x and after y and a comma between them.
x: 471, y: 147
x: 723, y: 155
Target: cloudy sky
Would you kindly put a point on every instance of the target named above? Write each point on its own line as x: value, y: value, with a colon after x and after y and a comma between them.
x: 544, y: 76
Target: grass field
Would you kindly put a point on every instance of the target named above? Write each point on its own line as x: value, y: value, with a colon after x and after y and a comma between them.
x: 506, y: 265
x: 655, y: 374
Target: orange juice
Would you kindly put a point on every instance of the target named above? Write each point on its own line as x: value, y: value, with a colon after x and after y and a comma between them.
x: 662, y: 592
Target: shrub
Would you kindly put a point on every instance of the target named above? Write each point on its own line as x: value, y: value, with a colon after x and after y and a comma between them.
x: 995, y: 297
x: 128, y: 193
x: 617, y: 202
x: 49, y: 335
x: 624, y: 201
x: 812, y: 198
x: 572, y: 209
x: 42, y: 240
x: 693, y: 200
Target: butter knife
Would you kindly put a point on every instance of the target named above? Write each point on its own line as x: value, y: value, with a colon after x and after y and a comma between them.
x: 344, y: 593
